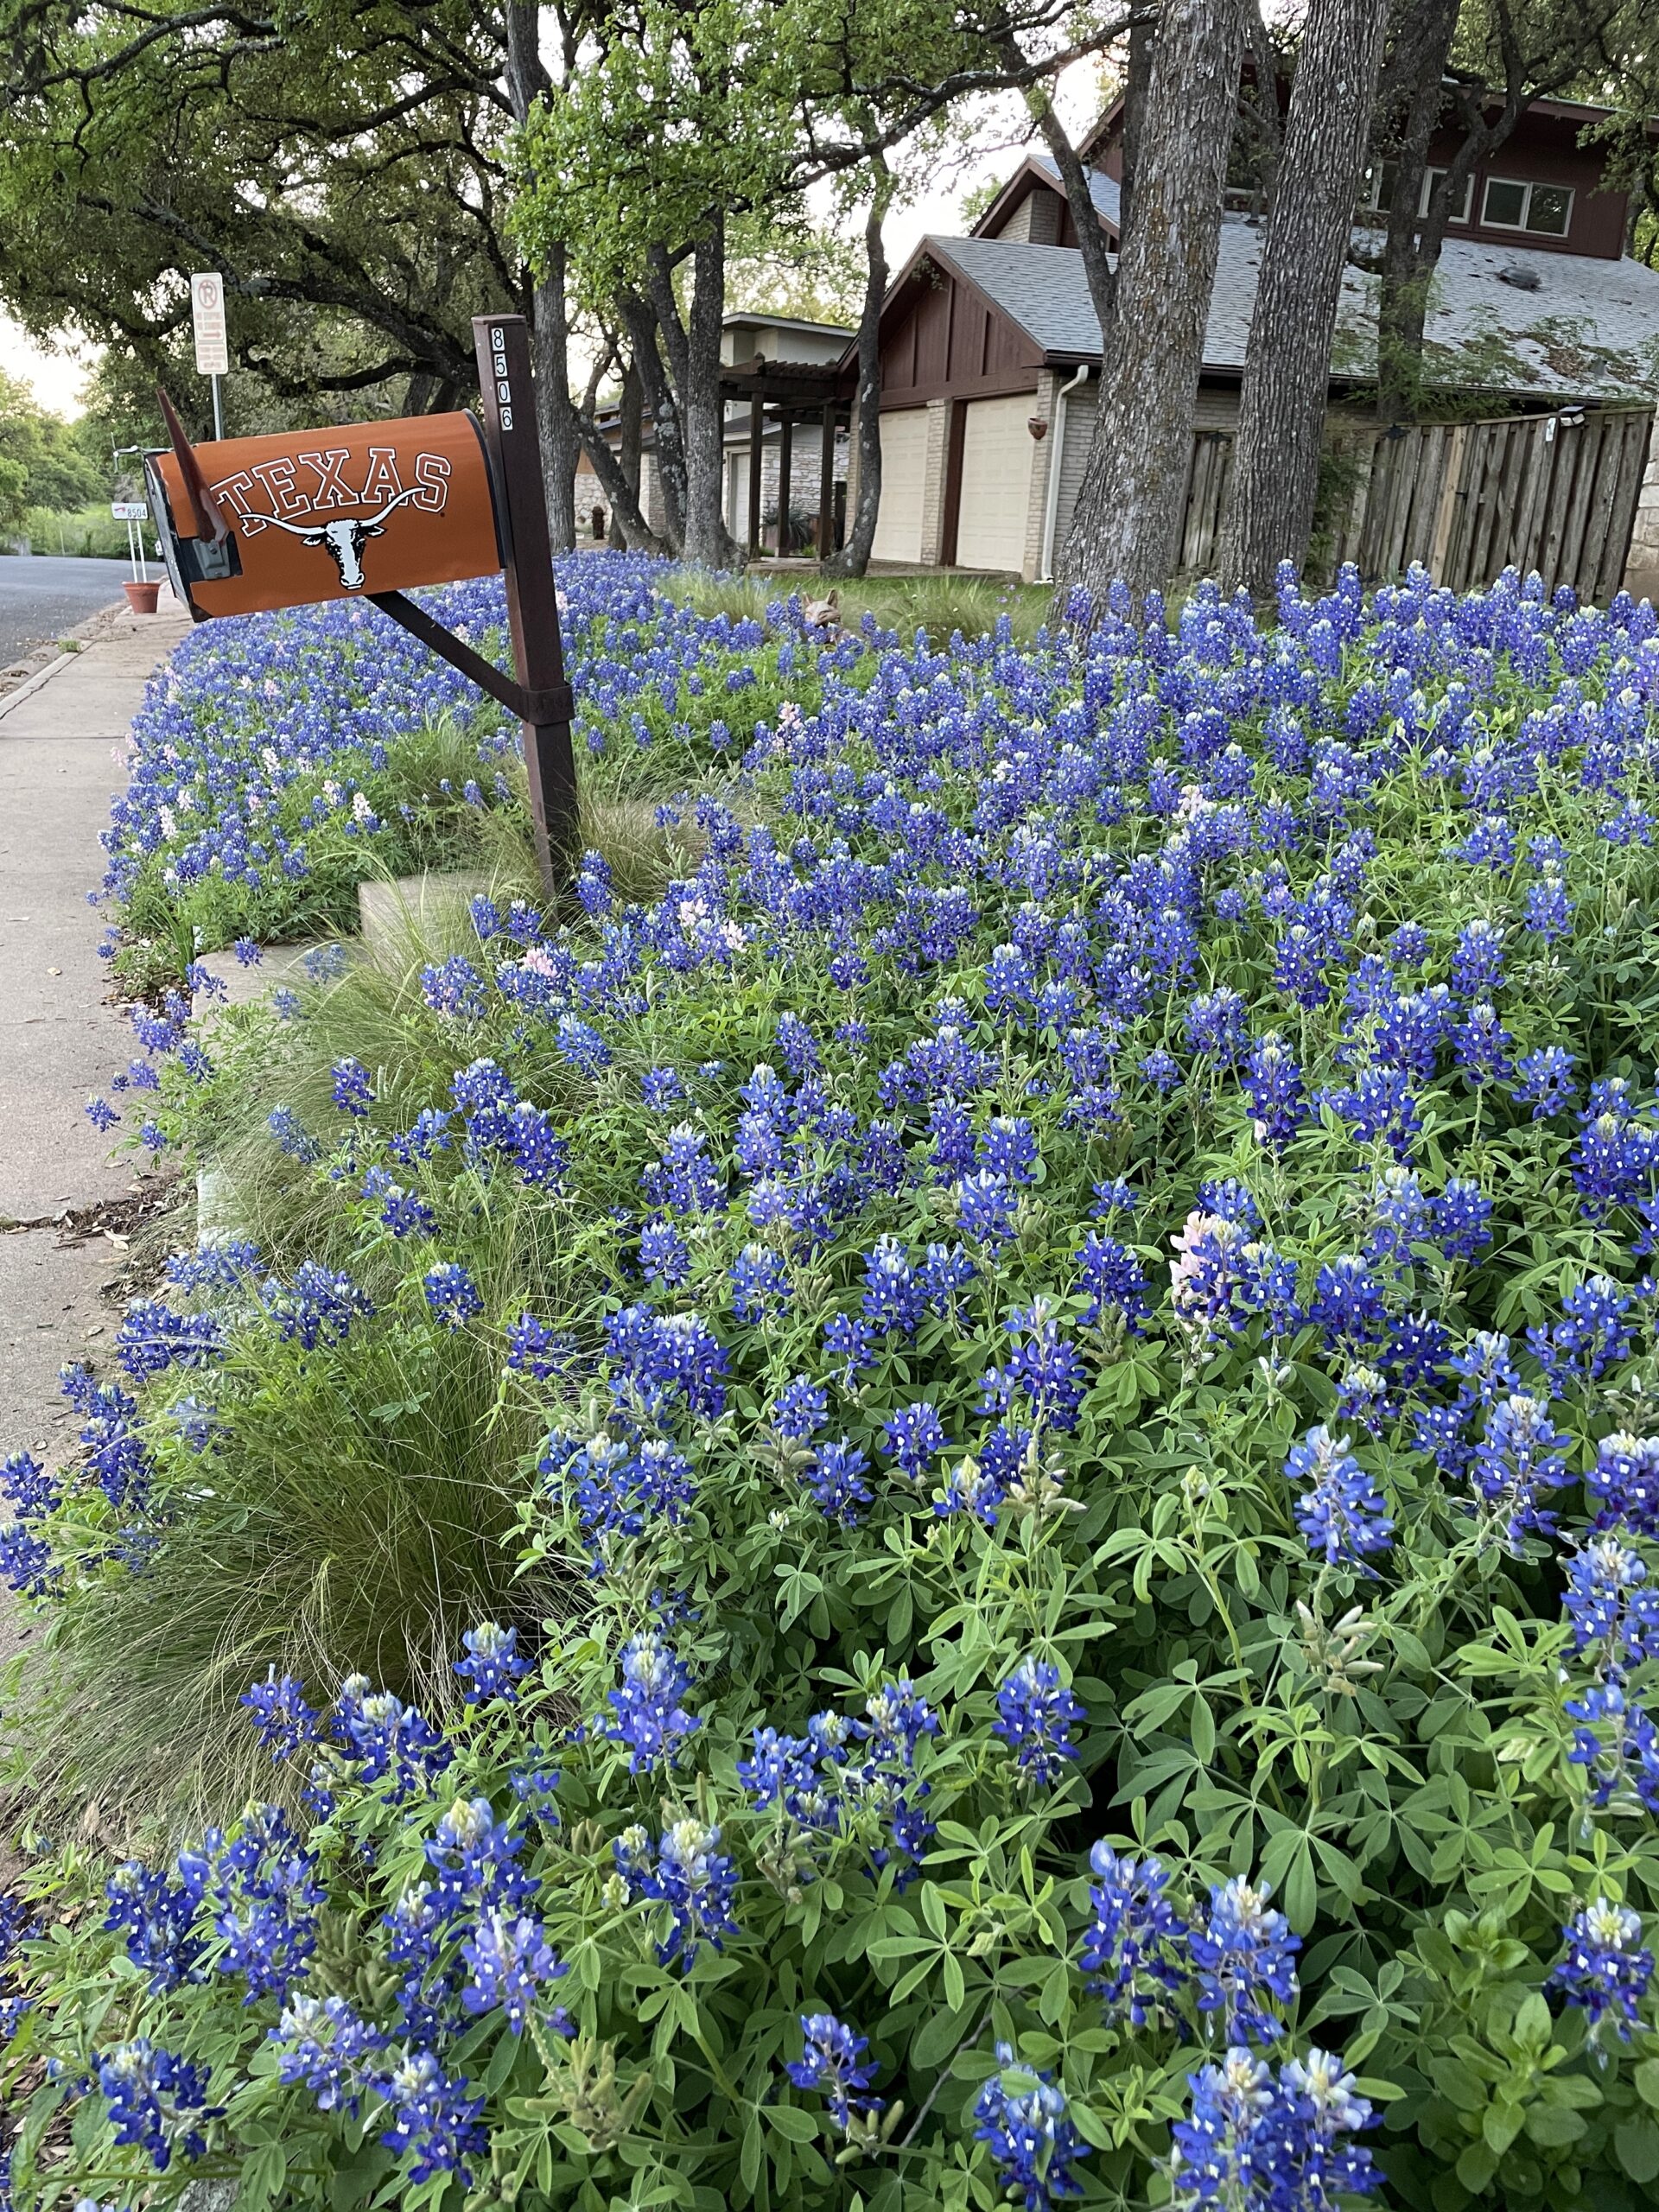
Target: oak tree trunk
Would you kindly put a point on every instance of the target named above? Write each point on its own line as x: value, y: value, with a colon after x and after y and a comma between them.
x: 1127, y: 524
x: 853, y: 558
x: 664, y: 416
x: 527, y: 81
x: 1304, y: 250
x: 631, y: 415
x: 690, y: 346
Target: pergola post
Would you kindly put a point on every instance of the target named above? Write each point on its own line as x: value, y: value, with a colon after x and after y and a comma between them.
x: 757, y: 427
x: 827, y: 484
x: 785, y: 455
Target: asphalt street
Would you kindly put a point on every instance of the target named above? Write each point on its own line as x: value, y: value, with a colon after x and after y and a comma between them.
x: 42, y: 595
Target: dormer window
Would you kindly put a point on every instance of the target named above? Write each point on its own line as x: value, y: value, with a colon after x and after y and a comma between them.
x: 1510, y: 205
x: 1382, y: 179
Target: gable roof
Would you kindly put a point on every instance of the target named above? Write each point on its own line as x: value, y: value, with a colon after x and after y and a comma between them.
x: 1578, y: 328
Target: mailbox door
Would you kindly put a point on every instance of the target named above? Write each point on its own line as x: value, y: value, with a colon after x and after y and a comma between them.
x: 335, y: 514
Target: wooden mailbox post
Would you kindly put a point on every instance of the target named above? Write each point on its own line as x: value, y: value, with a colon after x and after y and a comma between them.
x: 371, y: 510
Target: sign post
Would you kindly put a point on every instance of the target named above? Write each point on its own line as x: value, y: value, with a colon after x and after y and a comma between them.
x: 132, y: 512
x: 511, y: 435
x: 212, y: 342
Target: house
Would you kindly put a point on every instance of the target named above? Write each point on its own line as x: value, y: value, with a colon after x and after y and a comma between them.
x: 991, y: 347
x: 781, y: 380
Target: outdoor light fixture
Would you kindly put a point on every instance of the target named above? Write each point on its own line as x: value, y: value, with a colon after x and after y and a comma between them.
x: 1038, y: 425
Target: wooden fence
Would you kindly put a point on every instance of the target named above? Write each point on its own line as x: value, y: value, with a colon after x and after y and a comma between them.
x: 1554, y: 492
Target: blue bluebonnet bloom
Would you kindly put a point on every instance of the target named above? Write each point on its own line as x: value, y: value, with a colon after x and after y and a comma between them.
x: 430, y: 2118
x: 834, y: 2063
x: 1517, y: 1462
x: 1607, y: 1967
x: 1020, y: 2116
x: 1244, y: 1955
x: 1624, y: 1484
x: 156, y: 2099
x: 354, y: 1089
x: 688, y: 1872
x: 1036, y: 1713
x: 1342, y: 1513
x: 1255, y: 2143
x: 452, y: 1293
x: 649, y: 1716
x: 1134, y: 1949
x: 285, y: 1723
x: 509, y: 1959
x: 490, y: 1664
x: 1617, y: 1744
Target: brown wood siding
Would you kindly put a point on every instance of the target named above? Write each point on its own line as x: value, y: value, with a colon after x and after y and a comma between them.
x: 949, y: 343
x: 1544, y: 149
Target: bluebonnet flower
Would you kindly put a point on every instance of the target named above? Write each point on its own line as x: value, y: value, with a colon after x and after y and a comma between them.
x: 285, y: 1723
x: 156, y: 2099
x: 1347, y: 1303
x: 394, y: 1741
x: 1624, y: 1484
x: 760, y: 1283
x: 835, y: 1477
x: 1036, y: 1713
x: 1462, y: 1219
x: 491, y: 1665
x: 1244, y: 1955
x: 1617, y: 1745
x: 102, y: 1115
x: 833, y: 2061
x: 1607, y: 1967
x: 1255, y: 2144
x: 649, y: 1716
x: 353, y: 1090
x: 800, y: 1409
x: 323, y: 2045
x: 1134, y: 1949
x: 913, y: 1435
x: 1020, y: 2116
x: 320, y: 1306
x: 291, y: 1135
x: 665, y: 1255
x: 248, y: 951
x: 1008, y: 1149
x: 537, y: 1351
x: 1547, y: 1083
x: 692, y: 1876
x: 1549, y: 911
x: 1273, y: 1082
x: 430, y: 2119
x: 1112, y: 1276
x: 1591, y: 1334
x: 452, y: 1293
x: 508, y: 1960
x: 1478, y: 960
x: 1518, y: 1461
x: 1342, y: 1513
x: 156, y: 1915
x: 985, y: 1206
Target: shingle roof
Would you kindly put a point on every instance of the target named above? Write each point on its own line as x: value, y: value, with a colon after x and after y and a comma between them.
x: 1102, y: 189
x: 1588, y: 329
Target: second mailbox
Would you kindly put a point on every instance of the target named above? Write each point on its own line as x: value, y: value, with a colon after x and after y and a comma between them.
x: 330, y: 514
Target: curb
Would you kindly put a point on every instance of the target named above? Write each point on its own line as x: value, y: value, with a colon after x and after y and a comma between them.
x: 31, y: 684
x: 89, y: 633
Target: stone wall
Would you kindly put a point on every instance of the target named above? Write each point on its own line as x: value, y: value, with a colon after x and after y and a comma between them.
x: 1641, y: 570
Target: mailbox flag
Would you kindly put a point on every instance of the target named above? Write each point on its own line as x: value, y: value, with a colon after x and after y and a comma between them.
x: 331, y: 514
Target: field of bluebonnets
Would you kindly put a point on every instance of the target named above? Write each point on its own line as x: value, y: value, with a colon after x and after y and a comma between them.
x: 955, y: 1512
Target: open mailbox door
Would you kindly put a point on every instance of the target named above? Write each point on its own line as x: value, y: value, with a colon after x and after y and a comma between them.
x: 373, y: 510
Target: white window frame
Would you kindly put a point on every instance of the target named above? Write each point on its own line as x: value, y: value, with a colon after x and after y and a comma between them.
x: 1526, y: 185
x: 1431, y: 178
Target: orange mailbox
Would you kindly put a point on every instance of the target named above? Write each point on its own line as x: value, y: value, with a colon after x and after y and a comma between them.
x: 330, y: 514
x: 369, y: 511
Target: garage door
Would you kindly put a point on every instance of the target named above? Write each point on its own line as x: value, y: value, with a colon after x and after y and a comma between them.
x: 996, y: 451
x: 904, y: 477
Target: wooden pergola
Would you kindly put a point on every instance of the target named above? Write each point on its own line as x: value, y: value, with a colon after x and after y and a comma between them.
x: 794, y: 392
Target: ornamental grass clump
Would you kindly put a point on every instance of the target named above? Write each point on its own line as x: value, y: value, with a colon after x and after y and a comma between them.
x: 1060, y: 1341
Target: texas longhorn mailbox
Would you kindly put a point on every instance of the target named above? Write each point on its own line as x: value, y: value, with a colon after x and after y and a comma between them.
x: 371, y: 511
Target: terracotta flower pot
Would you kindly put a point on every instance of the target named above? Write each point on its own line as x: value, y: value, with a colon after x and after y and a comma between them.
x: 142, y: 598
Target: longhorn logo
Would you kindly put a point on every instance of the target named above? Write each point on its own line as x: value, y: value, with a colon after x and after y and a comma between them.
x: 343, y: 539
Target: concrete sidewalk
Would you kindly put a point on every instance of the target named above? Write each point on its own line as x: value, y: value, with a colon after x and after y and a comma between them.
x: 63, y: 739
